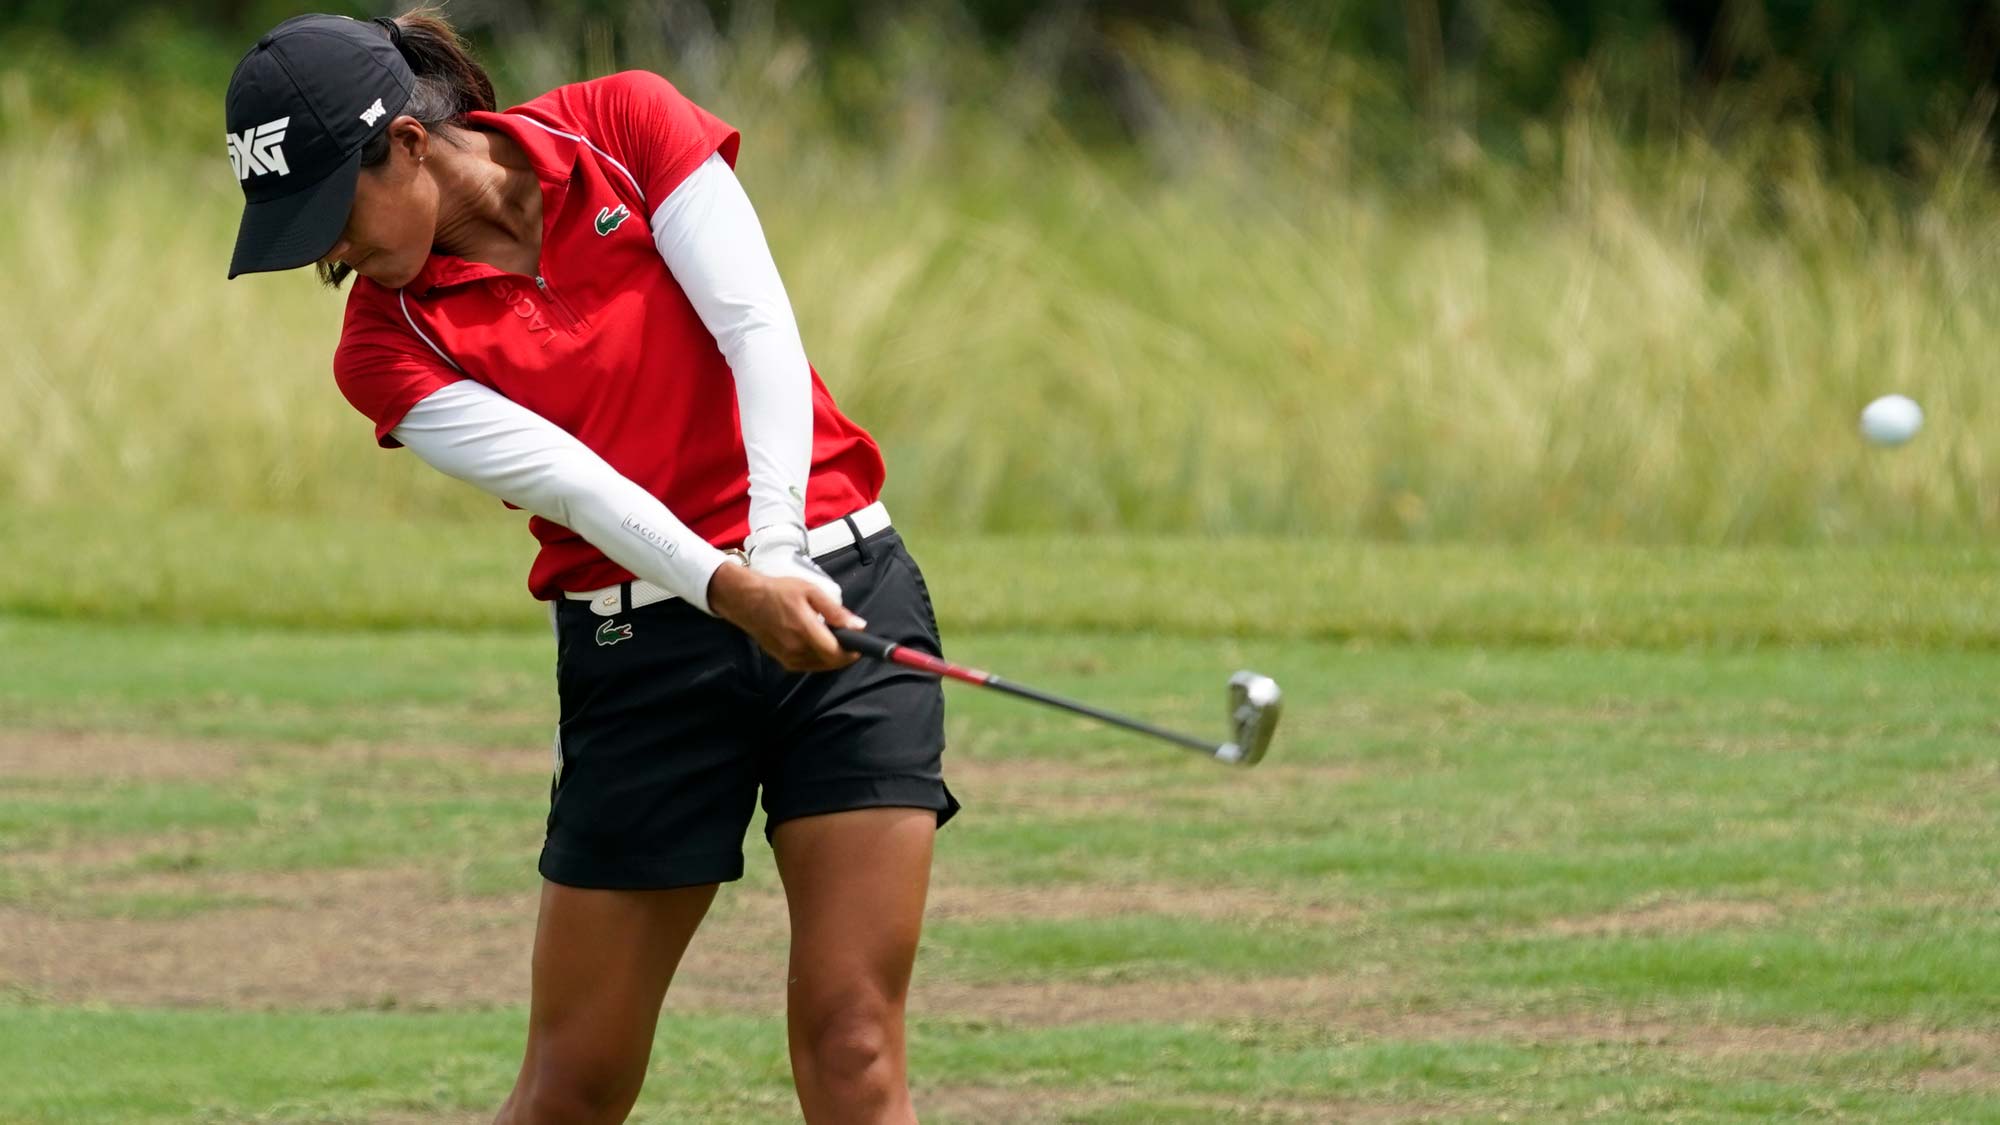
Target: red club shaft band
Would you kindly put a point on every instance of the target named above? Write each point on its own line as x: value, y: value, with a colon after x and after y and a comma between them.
x: 925, y: 662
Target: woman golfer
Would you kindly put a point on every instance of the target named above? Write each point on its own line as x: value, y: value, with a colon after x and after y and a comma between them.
x: 570, y: 305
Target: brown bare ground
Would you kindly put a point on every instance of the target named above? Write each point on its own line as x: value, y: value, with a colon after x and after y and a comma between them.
x: 396, y: 938
x: 959, y: 901
x: 1016, y: 1105
x: 66, y: 756
x: 347, y: 939
x: 113, y: 852
x: 1313, y: 1001
x: 400, y: 938
x: 1670, y: 916
x: 1967, y: 1079
x: 41, y: 756
x: 1708, y: 1040
x: 70, y: 756
x: 1046, y: 787
x: 338, y: 939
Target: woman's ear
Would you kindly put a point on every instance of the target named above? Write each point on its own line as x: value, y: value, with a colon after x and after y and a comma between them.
x: 409, y: 135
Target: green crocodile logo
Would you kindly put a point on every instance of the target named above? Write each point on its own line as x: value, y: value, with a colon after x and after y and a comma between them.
x: 611, y: 632
x: 609, y: 219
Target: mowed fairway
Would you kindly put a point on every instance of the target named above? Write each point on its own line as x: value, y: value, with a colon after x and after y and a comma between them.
x: 257, y: 874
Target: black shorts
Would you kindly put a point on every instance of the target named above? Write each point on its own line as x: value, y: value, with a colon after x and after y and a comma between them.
x: 672, y: 720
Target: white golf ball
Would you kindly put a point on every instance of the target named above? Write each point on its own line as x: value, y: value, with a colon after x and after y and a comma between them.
x: 1891, y: 420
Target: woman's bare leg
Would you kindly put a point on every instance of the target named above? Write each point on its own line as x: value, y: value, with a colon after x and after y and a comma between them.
x: 603, y: 960
x: 855, y: 883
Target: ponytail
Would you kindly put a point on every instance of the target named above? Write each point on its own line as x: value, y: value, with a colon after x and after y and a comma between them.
x: 450, y: 84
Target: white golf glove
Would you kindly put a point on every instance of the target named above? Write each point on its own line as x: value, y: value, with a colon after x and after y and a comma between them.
x: 779, y: 551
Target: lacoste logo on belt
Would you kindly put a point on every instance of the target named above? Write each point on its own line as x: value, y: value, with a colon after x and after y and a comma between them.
x: 254, y: 152
x: 609, y: 220
x: 611, y: 632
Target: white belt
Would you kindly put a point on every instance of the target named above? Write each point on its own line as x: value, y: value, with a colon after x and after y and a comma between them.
x: 822, y: 540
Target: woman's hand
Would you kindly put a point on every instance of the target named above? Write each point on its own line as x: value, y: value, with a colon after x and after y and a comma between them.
x: 787, y: 617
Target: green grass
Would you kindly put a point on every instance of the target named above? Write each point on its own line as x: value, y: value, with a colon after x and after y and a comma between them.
x: 214, y: 569
x: 348, y: 1067
x: 1936, y: 967
x: 1132, y: 947
x: 1499, y: 842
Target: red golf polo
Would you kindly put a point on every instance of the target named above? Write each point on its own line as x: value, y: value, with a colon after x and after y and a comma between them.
x: 604, y: 343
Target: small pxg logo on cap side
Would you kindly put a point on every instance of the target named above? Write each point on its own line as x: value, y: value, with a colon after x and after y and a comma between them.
x: 373, y: 113
x: 256, y: 151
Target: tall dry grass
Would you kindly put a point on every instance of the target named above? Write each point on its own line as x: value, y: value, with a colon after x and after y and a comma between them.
x: 1238, y: 325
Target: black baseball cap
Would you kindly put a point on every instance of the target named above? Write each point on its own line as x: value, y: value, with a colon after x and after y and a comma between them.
x: 301, y: 105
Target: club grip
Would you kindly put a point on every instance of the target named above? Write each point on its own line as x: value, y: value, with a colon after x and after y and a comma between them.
x: 853, y: 640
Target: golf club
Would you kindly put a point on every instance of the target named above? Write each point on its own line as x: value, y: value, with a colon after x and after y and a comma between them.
x: 1254, y: 700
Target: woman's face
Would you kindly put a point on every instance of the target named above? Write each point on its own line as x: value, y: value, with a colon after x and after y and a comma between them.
x: 394, y: 218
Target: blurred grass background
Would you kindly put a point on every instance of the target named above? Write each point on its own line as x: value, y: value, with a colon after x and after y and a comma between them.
x: 1090, y: 272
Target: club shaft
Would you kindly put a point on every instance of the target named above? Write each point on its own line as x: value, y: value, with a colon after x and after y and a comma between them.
x: 881, y: 649
x: 1101, y: 715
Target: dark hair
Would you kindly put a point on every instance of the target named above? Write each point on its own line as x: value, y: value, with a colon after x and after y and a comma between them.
x: 450, y: 84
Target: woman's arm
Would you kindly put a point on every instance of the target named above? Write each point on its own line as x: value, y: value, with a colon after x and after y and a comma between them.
x: 468, y: 431
x: 712, y: 242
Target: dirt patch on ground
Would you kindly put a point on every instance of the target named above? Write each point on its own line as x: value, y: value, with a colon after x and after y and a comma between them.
x: 981, y: 903
x: 1040, y: 784
x: 1004, y: 1103
x: 1969, y: 1079
x: 507, y: 761
x: 61, y: 756
x: 1048, y: 787
x: 40, y: 756
x: 1014, y: 1104
x: 1702, y: 1039
x: 1321, y: 1002
x: 328, y: 940
x: 1679, y: 916
x: 114, y: 852
x: 399, y: 939
x: 348, y: 939
x: 71, y: 756
x: 402, y: 939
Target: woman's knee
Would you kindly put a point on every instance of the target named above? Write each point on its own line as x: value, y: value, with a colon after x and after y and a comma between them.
x: 855, y: 1042
x: 559, y: 1093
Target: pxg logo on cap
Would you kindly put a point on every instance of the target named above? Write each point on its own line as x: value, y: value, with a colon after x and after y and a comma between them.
x: 301, y: 106
x: 254, y: 152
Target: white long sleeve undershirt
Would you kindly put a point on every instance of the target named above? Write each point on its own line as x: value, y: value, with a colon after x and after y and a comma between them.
x: 711, y: 240
x: 470, y: 431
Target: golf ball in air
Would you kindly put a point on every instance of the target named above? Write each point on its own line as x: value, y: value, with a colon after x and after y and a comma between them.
x: 1891, y: 420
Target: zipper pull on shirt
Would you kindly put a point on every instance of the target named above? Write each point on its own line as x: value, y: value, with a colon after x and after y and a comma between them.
x: 571, y: 321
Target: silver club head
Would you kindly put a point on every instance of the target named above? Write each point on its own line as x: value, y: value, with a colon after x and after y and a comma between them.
x: 1254, y: 705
